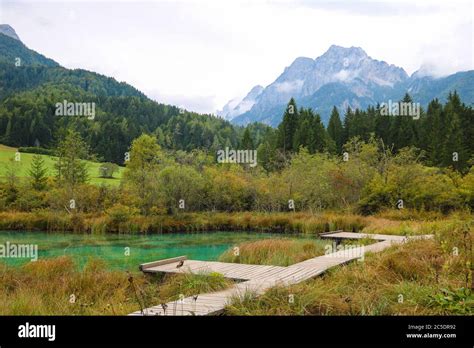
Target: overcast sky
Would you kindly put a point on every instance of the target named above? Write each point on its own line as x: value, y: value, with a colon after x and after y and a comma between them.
x: 200, y: 54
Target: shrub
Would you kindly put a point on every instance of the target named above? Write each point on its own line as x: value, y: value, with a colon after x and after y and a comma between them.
x: 37, y: 150
x: 107, y: 170
x: 119, y: 215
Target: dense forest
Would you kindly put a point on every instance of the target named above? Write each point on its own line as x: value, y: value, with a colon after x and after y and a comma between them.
x: 156, y: 182
x: 444, y: 134
x: 28, y: 118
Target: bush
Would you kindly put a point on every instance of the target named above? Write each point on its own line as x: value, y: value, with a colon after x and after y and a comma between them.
x: 460, y: 301
x: 119, y: 215
x: 107, y: 170
x: 37, y: 150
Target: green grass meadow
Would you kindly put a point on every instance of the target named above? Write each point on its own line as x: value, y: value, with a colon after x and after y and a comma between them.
x: 7, y: 153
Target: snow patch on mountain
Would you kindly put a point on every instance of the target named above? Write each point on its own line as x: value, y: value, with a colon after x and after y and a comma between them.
x: 239, y: 106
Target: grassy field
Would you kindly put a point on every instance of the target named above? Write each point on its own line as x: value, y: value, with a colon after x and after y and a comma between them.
x: 7, y: 153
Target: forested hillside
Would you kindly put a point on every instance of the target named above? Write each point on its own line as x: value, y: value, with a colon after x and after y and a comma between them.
x: 30, y: 91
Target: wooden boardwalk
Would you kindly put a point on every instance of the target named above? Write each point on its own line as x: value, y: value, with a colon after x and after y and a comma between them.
x: 256, y: 279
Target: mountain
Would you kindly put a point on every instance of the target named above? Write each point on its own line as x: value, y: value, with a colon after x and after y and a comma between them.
x: 30, y: 91
x: 35, y: 70
x: 7, y: 30
x: 11, y: 48
x: 425, y: 88
x: 344, y: 77
x: 236, y: 107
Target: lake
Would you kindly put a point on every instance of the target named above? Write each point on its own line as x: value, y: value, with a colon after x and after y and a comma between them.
x: 112, y: 248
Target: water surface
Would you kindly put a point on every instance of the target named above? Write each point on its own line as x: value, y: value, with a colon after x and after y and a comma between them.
x: 112, y: 248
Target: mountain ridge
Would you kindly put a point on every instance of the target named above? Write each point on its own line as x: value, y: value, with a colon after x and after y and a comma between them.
x: 363, y: 80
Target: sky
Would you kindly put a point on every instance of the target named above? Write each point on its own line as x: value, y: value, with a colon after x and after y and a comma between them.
x: 199, y: 54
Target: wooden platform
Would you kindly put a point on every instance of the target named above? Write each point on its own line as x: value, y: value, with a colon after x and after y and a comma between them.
x: 235, y: 271
x: 256, y: 279
x: 353, y: 235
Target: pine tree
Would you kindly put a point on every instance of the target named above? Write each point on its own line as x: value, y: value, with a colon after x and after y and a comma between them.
x: 288, y: 126
x: 453, y: 151
x: 382, y: 126
x: 403, y: 128
x: 8, y: 132
x: 466, y: 125
x: 434, y: 134
x: 303, y: 134
x: 320, y: 137
x: 335, y: 130
x: 247, y: 141
x: 348, y: 126
x: 70, y: 167
x: 38, y: 173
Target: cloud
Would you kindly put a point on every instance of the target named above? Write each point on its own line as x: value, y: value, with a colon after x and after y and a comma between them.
x: 343, y: 75
x: 379, y: 8
x: 289, y: 86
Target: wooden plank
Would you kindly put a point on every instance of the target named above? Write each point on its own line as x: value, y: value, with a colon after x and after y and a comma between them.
x: 144, y: 266
x: 254, y: 271
x: 270, y: 272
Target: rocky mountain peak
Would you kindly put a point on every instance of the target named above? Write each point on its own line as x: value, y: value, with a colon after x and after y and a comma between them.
x: 7, y: 30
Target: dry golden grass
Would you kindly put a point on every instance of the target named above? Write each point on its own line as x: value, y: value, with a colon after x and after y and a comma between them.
x: 276, y: 252
x: 205, y: 221
x: 48, y: 287
x: 403, y: 280
x: 45, y: 287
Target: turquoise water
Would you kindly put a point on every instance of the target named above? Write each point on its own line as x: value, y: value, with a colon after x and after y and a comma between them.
x: 142, y: 248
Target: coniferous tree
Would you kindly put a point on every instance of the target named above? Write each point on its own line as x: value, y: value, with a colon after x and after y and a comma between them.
x: 303, y: 134
x: 247, y: 141
x: 348, y: 125
x: 466, y: 124
x: 453, y: 151
x: 70, y: 166
x: 38, y: 173
x: 382, y: 126
x: 320, y: 138
x: 335, y: 130
x: 287, y: 128
x: 402, y: 128
x: 433, y: 135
